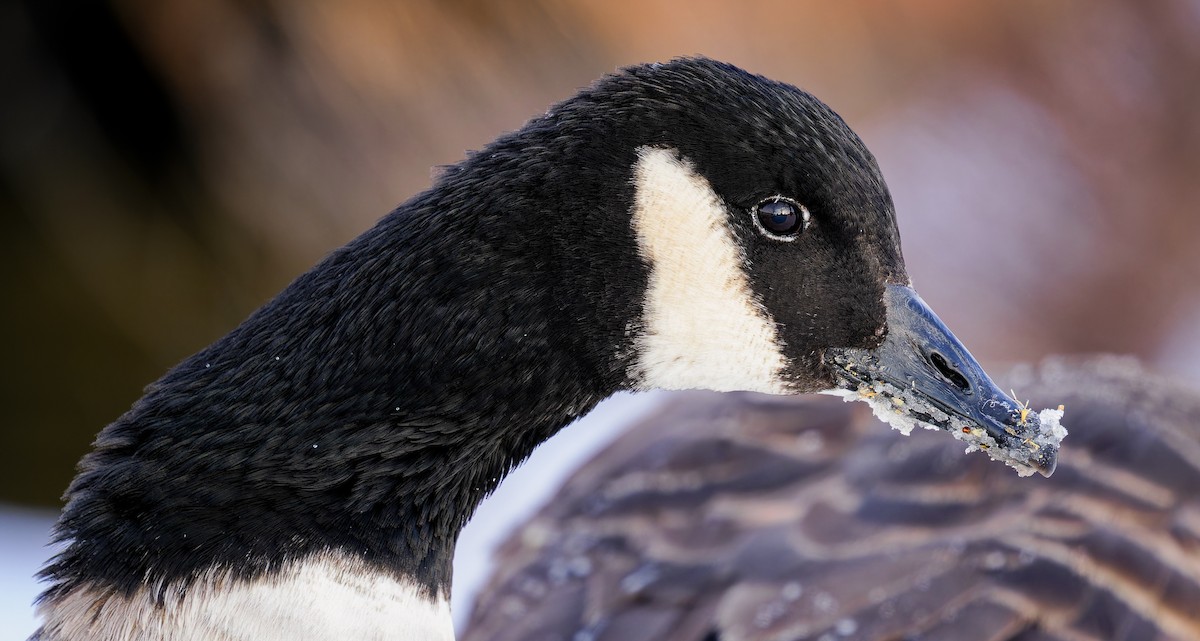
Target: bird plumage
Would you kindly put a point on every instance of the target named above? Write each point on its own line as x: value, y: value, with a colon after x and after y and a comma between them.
x: 343, y: 434
x: 751, y: 518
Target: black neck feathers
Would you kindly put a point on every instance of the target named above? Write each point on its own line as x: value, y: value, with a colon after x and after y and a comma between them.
x: 371, y: 405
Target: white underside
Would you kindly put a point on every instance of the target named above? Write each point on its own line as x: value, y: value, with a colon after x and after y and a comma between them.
x: 702, y: 326
x: 320, y: 599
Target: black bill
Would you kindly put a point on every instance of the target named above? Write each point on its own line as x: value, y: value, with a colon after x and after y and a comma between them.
x: 923, y: 373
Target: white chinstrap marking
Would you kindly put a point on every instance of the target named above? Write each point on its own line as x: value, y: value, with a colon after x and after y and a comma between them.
x: 320, y: 598
x: 702, y: 326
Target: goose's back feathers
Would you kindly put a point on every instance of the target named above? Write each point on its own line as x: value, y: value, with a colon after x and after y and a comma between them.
x: 771, y: 518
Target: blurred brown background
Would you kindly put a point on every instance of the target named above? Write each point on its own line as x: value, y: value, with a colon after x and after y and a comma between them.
x: 167, y: 165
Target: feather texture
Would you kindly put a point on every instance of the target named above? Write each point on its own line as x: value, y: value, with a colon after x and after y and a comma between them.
x: 754, y: 518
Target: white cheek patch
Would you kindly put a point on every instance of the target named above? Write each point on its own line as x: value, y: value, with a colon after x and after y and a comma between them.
x: 702, y: 326
x: 329, y: 597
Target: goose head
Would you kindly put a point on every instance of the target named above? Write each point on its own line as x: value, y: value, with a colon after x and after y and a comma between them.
x: 680, y: 225
x: 772, y: 257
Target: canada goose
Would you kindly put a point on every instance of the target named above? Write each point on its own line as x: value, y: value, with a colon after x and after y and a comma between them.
x: 678, y: 225
x: 750, y: 518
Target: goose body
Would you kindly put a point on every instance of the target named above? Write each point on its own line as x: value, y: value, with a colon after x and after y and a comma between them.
x: 750, y: 518
x: 679, y: 225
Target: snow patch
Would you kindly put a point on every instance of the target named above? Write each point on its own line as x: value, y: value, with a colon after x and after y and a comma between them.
x: 904, y: 409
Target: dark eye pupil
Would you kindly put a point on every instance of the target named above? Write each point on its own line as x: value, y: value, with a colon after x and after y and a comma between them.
x: 780, y: 217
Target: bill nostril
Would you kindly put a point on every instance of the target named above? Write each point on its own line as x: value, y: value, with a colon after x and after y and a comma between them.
x: 949, y: 372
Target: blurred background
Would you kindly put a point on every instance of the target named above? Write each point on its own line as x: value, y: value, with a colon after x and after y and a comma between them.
x: 167, y: 166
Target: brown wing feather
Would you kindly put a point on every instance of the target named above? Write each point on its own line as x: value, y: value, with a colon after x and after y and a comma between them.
x: 755, y: 518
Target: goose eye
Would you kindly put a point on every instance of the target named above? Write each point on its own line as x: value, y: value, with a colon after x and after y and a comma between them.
x: 781, y: 219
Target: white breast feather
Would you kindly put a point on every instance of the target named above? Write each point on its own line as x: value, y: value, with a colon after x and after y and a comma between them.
x: 324, y: 598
